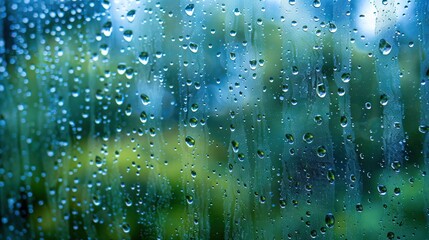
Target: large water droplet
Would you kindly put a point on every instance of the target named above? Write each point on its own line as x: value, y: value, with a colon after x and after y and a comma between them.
x: 190, y: 141
x: 128, y: 35
x: 144, y: 58
x: 145, y: 99
x: 107, y: 29
x: 329, y: 220
x: 193, y: 47
x: 189, y: 10
x: 131, y: 15
x: 384, y: 47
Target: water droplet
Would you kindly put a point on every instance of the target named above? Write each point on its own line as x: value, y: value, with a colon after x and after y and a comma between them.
x: 122, y: 68
x: 194, y: 107
x: 106, y: 4
x: 382, y: 189
x: 321, y: 151
x: 143, y: 117
x: 189, y: 10
x: 107, y: 29
x: 131, y: 15
x: 330, y: 176
x: 343, y: 121
x: 318, y: 119
x: 126, y: 228
x: 237, y: 12
x: 332, y: 27
x: 128, y: 110
x: 193, y: 122
x: 282, y: 203
x: 96, y: 200
x: 189, y: 199
x: 295, y: 70
x: 397, y: 191
x: 145, y: 99
x: 144, y: 58
x: 289, y: 138
x: 396, y: 166
x: 190, y: 141
x: 329, y: 220
x: 119, y: 99
x: 128, y: 35
x: 308, y: 137
x: 253, y: 64
x: 235, y: 146
x: 261, y: 154
x: 384, y: 47
x: 316, y: 3
x: 321, y: 90
x: 359, y: 207
x: 345, y: 77
x: 98, y: 161
x: 241, y: 157
x: 193, y: 47
x: 390, y: 235
x: 128, y: 202
x: 384, y: 99
x: 104, y: 49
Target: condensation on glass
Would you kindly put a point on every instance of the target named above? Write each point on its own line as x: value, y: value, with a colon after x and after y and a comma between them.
x: 258, y: 119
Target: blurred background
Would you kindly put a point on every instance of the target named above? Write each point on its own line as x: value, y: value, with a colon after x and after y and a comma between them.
x: 194, y: 119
